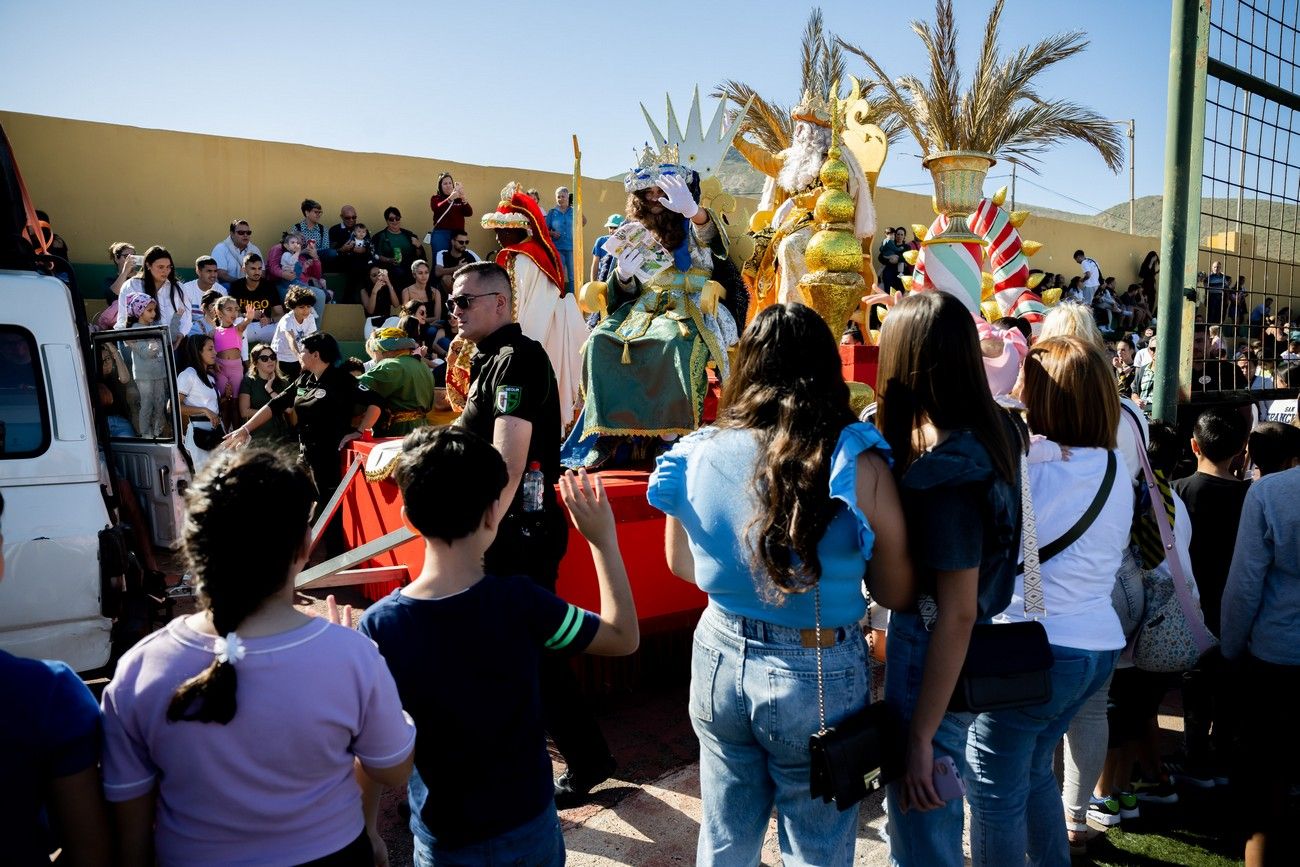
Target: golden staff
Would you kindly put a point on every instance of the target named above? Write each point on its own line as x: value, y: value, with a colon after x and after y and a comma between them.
x: 579, y: 251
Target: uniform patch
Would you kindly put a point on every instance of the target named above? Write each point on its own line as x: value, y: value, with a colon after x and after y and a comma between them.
x: 507, y: 398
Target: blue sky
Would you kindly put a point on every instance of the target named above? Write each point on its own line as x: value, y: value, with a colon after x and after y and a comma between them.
x: 507, y: 83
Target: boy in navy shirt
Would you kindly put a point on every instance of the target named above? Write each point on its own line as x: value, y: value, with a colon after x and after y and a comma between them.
x: 464, y: 649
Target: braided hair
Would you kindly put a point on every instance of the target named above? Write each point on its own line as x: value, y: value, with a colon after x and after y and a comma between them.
x: 231, y: 585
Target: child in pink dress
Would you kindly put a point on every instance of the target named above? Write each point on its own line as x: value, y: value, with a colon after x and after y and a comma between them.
x: 229, y: 338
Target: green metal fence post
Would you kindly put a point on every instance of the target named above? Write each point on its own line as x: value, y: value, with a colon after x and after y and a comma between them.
x: 1181, y: 219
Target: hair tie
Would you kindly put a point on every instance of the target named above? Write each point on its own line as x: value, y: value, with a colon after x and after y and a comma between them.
x: 229, y: 649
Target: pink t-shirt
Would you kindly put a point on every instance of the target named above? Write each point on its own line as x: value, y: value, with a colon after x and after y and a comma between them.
x: 275, y: 785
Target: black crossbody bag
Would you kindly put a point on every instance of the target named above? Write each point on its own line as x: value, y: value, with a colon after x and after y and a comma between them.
x: 859, y: 754
x: 1009, y: 665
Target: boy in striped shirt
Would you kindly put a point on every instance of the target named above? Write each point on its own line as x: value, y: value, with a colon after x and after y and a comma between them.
x: 464, y: 649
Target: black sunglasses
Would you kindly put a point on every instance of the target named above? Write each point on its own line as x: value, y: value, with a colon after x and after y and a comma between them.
x: 265, y: 357
x: 462, y: 302
x: 244, y: 232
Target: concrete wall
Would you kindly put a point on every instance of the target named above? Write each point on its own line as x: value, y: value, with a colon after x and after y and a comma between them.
x: 102, y: 183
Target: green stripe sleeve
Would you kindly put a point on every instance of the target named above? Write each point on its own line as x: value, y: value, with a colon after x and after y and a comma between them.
x: 572, y: 617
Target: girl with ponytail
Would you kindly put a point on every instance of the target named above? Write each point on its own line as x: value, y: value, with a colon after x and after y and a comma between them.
x: 778, y: 512
x: 232, y: 734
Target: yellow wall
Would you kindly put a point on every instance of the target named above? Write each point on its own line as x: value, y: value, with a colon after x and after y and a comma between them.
x: 102, y: 183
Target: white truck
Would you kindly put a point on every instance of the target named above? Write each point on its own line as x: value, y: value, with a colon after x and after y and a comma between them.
x: 69, y: 577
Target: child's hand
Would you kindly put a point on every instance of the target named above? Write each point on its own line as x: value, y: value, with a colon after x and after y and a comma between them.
x: 334, y: 615
x: 588, y: 507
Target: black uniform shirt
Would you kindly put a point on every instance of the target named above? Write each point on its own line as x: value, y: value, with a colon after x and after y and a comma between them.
x: 325, y: 407
x: 511, y: 375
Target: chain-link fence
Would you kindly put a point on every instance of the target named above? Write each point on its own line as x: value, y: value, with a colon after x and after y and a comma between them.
x: 1247, y: 332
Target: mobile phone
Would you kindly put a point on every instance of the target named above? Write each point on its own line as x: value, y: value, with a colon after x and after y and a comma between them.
x: 947, y: 779
x: 137, y: 261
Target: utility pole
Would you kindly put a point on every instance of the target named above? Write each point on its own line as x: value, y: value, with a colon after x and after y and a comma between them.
x: 1132, y: 179
x: 1013, y: 185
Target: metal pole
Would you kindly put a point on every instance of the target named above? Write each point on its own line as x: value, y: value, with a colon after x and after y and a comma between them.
x: 1241, y: 166
x: 1132, y: 179
x: 1013, y: 186
x: 1181, y: 218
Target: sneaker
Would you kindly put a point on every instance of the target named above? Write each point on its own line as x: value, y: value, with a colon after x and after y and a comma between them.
x: 1103, y: 811
x: 1155, y: 793
x: 1194, y: 775
x: 1128, y: 805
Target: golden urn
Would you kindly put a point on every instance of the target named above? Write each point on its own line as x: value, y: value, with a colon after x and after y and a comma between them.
x: 958, y: 188
x: 833, y: 284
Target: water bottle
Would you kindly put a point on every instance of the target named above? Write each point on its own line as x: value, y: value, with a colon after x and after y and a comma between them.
x: 533, y: 484
x: 397, y: 256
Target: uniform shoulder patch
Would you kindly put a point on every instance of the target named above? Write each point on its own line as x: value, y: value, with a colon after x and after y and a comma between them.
x: 507, y: 398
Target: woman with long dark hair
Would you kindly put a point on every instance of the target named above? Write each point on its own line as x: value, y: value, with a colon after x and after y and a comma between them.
x: 957, y: 459
x: 196, y: 388
x: 157, y: 279
x: 778, y: 511
x: 233, y: 735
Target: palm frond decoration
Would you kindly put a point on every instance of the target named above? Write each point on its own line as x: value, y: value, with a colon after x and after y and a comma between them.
x: 1000, y: 113
x: 822, y: 63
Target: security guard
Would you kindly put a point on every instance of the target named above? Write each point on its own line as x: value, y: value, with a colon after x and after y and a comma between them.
x: 513, y: 402
x: 325, y: 401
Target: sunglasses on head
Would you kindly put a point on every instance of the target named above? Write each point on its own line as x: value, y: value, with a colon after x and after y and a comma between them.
x: 463, y: 302
x: 265, y: 358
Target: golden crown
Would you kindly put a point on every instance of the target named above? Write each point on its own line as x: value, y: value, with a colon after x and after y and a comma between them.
x: 812, y: 109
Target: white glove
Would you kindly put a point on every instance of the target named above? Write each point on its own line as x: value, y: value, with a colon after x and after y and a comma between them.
x: 677, y: 196
x: 629, y: 262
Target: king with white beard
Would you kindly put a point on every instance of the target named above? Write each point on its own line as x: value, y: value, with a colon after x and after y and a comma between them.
x: 784, y: 223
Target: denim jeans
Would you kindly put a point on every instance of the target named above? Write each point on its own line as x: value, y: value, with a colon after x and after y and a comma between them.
x: 753, y: 704
x: 1015, y: 804
x: 536, y: 843
x: 439, y: 240
x: 922, y: 839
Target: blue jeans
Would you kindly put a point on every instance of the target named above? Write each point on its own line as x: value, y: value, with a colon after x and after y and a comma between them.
x: 536, y: 843
x: 753, y: 704
x: 439, y: 239
x: 1015, y: 802
x: 569, y: 278
x: 932, y: 837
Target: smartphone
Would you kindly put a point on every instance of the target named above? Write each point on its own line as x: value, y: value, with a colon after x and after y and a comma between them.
x: 947, y: 779
x: 137, y: 261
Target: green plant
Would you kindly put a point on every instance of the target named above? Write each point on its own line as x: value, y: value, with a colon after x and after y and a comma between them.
x: 1000, y: 113
x: 822, y: 65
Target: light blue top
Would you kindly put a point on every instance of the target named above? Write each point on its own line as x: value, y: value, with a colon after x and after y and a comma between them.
x: 707, y: 482
x: 562, y: 222
x: 1261, y: 603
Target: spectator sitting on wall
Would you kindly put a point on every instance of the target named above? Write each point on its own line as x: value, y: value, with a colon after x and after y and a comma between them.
x: 310, y: 269
x: 253, y: 289
x: 120, y: 252
x: 205, y: 281
x: 353, y: 249
x: 315, y: 237
x: 230, y: 252
x: 447, y: 261
x: 1132, y: 300
x: 397, y: 248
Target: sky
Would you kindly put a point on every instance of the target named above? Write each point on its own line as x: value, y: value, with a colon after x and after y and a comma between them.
x: 508, y: 82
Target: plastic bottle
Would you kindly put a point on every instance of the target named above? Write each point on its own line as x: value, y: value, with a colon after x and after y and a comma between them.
x: 532, y: 485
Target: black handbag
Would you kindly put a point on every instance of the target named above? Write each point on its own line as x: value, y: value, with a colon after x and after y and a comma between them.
x: 858, y: 755
x: 1009, y: 665
x: 208, y: 438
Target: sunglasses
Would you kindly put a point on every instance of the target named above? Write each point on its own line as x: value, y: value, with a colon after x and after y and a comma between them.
x: 265, y: 358
x: 243, y: 231
x: 462, y: 302
x: 392, y: 219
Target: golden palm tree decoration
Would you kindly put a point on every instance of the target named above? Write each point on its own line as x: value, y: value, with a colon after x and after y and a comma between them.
x: 822, y: 65
x: 961, y: 132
